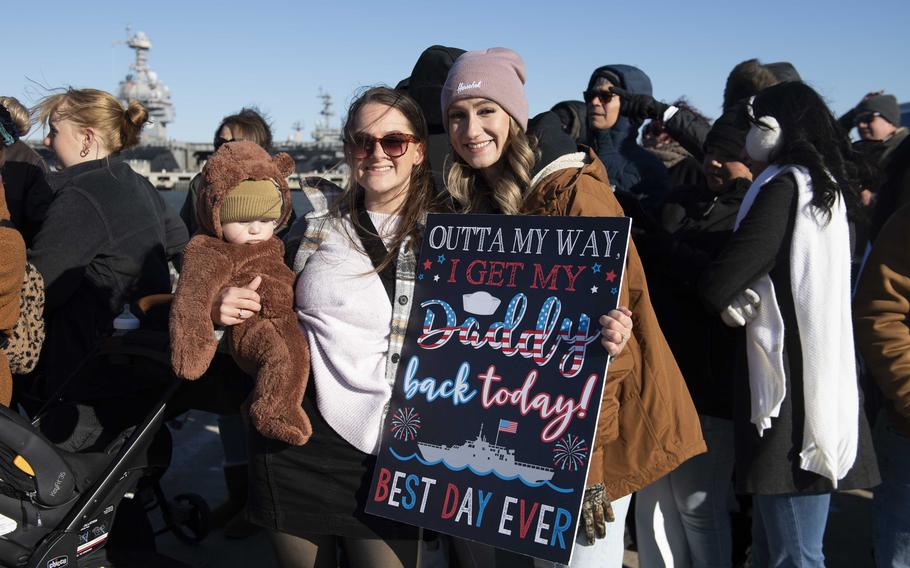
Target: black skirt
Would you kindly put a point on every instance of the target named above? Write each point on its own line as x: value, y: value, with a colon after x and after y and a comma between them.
x: 319, y: 488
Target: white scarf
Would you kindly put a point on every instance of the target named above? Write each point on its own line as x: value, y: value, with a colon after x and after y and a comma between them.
x: 821, y: 295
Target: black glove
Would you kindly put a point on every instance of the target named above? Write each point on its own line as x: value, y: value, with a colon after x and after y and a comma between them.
x: 596, y: 512
x: 639, y: 106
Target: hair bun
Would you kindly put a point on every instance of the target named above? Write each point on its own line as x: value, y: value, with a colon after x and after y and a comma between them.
x: 136, y: 113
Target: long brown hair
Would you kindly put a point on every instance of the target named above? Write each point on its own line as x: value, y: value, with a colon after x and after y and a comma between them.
x: 421, y: 197
x: 507, y: 193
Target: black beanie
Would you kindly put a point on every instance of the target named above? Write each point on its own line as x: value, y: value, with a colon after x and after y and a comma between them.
x: 885, y: 105
x: 727, y: 136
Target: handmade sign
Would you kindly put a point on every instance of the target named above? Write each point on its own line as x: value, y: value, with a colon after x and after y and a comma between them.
x: 492, y: 418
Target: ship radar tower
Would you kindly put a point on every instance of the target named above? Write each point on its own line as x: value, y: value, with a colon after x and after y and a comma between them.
x: 142, y: 84
x: 323, y: 133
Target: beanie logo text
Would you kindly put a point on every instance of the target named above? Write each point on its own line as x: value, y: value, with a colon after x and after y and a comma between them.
x: 465, y: 87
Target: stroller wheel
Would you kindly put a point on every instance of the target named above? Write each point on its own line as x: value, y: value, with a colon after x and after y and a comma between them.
x: 192, y: 518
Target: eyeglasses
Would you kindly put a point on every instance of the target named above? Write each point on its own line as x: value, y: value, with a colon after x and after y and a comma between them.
x: 394, y: 145
x: 604, y: 96
x: 866, y: 117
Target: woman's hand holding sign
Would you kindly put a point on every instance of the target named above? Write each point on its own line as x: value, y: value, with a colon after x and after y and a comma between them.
x: 616, y: 330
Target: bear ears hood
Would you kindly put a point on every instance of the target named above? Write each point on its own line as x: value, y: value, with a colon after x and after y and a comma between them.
x: 233, y: 163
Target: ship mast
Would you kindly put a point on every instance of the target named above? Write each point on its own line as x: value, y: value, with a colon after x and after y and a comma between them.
x: 142, y: 84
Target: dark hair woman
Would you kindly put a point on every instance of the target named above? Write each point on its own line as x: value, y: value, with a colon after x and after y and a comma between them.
x: 785, y: 274
x: 249, y: 125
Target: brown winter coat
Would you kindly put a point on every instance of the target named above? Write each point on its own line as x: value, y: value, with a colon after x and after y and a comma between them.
x: 12, y: 270
x: 269, y: 344
x: 648, y: 425
x: 881, y: 309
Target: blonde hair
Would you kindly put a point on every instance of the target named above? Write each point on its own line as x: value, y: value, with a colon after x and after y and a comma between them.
x: 507, y: 192
x: 117, y: 128
x: 19, y: 114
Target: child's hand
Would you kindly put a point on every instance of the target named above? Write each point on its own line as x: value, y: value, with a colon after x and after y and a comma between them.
x: 235, y: 305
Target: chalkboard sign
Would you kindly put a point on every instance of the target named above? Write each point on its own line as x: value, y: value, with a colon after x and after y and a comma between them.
x: 490, y: 427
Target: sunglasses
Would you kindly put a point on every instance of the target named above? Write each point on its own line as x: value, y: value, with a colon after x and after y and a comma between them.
x: 219, y: 142
x: 604, y: 96
x: 393, y: 145
x: 866, y: 117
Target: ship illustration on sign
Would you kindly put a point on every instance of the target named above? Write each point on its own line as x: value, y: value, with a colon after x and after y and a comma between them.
x: 482, y: 457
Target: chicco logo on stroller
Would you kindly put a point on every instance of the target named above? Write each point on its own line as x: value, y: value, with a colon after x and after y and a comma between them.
x: 58, y: 562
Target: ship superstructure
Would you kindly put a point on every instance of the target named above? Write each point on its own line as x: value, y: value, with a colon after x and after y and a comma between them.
x: 142, y: 84
x: 482, y: 456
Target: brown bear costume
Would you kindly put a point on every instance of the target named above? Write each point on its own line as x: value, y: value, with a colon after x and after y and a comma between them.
x: 269, y: 344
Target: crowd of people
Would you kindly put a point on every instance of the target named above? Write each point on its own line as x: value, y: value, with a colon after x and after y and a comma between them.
x: 760, y: 356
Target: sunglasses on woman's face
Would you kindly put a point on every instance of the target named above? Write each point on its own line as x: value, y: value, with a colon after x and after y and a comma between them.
x: 219, y: 142
x: 393, y: 145
x: 603, y: 96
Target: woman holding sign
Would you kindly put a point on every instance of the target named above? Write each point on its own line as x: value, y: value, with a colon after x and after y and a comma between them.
x: 648, y: 425
x: 356, y: 255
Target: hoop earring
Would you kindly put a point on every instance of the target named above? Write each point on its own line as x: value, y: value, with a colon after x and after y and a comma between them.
x: 84, y: 152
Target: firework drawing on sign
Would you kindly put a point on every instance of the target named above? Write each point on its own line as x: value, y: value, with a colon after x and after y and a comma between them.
x: 570, y: 452
x: 405, y: 424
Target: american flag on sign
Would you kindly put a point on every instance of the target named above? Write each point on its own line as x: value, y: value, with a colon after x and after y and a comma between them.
x: 508, y: 426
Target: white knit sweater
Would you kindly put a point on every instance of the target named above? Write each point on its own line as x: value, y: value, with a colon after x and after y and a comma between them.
x: 345, y: 312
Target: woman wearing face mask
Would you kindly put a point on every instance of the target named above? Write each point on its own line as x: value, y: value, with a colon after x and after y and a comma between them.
x: 647, y: 424
x: 800, y: 431
x: 107, y: 236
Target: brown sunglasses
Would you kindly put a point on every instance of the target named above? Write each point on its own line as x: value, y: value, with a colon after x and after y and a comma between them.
x: 394, y: 145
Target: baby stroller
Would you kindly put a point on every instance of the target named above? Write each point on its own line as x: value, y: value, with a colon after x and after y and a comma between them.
x: 64, y: 476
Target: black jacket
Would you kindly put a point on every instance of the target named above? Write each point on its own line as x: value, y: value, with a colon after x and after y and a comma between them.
x: 769, y: 464
x: 28, y: 193
x: 105, y: 242
x: 697, y: 223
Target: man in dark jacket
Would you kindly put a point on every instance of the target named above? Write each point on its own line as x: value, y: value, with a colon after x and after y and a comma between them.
x: 697, y: 221
x: 614, y: 135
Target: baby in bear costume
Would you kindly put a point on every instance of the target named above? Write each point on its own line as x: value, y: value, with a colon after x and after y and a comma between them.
x: 244, y: 196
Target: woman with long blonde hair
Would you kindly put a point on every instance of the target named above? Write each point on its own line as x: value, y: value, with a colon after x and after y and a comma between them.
x: 647, y: 425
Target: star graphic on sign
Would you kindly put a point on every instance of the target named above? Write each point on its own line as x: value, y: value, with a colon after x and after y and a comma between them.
x: 441, y: 258
x: 435, y: 278
x: 593, y: 289
x: 427, y: 264
x: 610, y: 276
x: 596, y: 268
x: 614, y: 291
x: 420, y: 276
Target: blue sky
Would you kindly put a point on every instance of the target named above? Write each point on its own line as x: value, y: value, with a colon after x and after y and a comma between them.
x: 217, y: 57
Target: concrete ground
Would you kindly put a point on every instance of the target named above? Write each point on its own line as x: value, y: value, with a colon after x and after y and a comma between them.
x: 196, y: 468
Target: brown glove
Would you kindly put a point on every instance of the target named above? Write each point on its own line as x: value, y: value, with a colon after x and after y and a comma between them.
x: 596, y: 512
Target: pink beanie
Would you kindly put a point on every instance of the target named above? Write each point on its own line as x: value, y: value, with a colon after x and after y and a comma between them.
x: 497, y: 74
